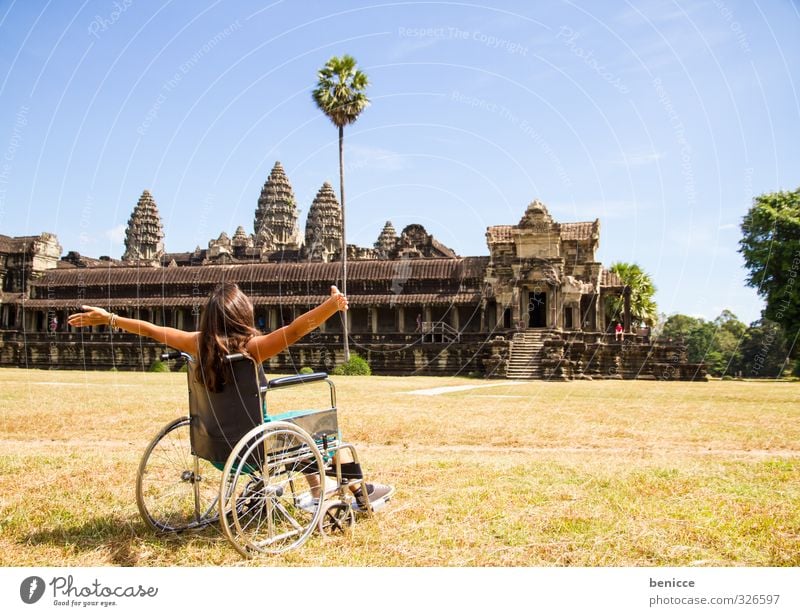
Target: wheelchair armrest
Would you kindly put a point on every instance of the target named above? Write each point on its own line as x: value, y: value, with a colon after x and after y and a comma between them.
x: 175, y: 355
x: 298, y: 379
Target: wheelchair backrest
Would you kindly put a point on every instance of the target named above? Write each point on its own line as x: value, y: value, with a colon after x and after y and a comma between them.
x: 220, y: 420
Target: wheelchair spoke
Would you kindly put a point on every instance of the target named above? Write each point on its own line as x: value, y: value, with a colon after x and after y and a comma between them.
x: 280, y: 513
x: 168, y: 485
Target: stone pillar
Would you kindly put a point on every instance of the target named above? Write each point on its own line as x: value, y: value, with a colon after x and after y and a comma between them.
x: 401, y: 319
x: 600, y: 314
x: 627, y: 296
x: 516, y: 306
x: 576, y: 316
x: 373, y: 313
x: 555, y: 311
x: 427, y: 314
x: 272, y: 319
x: 454, y: 318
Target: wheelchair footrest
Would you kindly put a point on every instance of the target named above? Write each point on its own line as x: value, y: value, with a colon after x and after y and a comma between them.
x: 387, y: 492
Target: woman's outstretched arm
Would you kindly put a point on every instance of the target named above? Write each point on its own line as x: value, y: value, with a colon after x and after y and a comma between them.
x: 174, y: 338
x: 264, y: 347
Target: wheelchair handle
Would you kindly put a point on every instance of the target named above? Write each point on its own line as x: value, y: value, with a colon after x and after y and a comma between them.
x: 286, y: 381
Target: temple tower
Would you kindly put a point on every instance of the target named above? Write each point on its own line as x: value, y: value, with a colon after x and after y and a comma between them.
x: 324, y: 226
x: 144, y: 237
x: 387, y: 241
x: 275, y: 223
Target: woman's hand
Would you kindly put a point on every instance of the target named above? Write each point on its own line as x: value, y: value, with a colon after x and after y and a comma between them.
x: 90, y: 316
x: 341, y: 300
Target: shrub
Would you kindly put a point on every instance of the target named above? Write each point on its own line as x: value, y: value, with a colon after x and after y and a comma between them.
x: 306, y: 370
x: 184, y: 367
x: 475, y: 375
x: 158, y: 366
x: 357, y: 366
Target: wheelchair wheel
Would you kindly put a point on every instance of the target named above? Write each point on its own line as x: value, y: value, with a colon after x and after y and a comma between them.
x: 265, y: 490
x: 176, y: 491
x: 338, y: 518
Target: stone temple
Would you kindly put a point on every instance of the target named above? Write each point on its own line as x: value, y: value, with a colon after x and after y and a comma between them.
x: 533, y: 308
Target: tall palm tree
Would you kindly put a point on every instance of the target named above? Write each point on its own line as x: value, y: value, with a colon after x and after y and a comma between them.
x: 340, y: 95
x: 643, y: 307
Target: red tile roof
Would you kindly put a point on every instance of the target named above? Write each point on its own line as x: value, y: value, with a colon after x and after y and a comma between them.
x: 569, y: 231
x: 412, y: 269
x: 500, y: 233
x: 258, y: 300
x: 579, y: 230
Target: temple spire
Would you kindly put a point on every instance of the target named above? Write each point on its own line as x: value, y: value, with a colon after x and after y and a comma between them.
x: 144, y: 237
x: 324, y: 226
x: 275, y: 223
x: 387, y: 241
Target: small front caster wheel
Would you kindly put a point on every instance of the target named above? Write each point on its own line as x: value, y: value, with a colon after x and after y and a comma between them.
x: 338, y: 518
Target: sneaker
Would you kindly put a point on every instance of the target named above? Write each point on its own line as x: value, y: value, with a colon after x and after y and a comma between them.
x: 307, y: 502
x: 377, y: 493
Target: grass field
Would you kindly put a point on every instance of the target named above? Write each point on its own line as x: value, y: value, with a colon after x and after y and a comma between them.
x: 585, y: 473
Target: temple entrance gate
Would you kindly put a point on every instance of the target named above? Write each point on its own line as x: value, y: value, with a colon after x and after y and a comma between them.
x: 537, y: 309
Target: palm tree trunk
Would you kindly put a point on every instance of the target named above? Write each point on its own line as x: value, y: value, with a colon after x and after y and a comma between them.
x: 344, y: 241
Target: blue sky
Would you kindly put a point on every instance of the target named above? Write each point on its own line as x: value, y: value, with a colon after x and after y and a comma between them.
x: 662, y: 119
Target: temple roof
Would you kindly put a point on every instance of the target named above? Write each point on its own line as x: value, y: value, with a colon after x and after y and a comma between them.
x: 75, y: 259
x: 168, y: 301
x: 569, y: 231
x: 579, y: 230
x: 22, y: 243
x: 499, y: 234
x: 609, y: 279
x: 418, y: 269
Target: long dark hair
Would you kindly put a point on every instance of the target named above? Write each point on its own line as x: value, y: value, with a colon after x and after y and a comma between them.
x: 225, y: 327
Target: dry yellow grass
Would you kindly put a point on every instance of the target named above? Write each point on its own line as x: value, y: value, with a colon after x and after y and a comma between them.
x: 600, y: 473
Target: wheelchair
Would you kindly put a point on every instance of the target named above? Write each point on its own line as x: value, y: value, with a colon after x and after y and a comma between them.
x: 270, y: 480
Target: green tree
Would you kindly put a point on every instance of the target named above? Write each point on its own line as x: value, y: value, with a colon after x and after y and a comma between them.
x: 643, y: 307
x: 715, y: 343
x: 770, y: 245
x: 764, y: 350
x: 678, y: 327
x: 340, y: 95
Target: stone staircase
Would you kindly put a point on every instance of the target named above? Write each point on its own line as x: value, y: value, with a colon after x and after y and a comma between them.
x: 525, y: 358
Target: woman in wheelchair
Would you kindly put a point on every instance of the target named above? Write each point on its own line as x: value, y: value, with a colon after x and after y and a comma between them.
x: 227, y: 326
